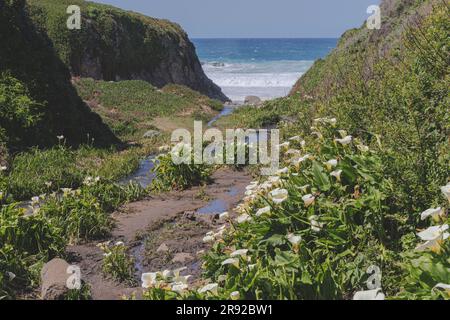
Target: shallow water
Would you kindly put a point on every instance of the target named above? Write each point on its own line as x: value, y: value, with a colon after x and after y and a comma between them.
x: 218, y: 205
x: 227, y: 110
x: 143, y: 174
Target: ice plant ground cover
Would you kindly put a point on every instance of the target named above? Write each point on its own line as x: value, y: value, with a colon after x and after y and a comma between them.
x: 313, y: 231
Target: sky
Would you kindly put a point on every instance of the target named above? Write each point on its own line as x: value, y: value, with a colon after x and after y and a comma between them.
x: 256, y: 18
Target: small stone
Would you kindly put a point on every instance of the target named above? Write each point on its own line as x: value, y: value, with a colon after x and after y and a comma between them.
x: 182, y: 257
x: 162, y: 248
x: 189, y: 215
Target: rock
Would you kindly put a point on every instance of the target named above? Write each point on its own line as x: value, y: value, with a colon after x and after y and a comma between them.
x: 162, y: 248
x: 218, y: 64
x: 53, y: 279
x: 189, y: 215
x: 138, y: 52
x: 182, y: 257
x: 151, y: 134
x: 253, y: 101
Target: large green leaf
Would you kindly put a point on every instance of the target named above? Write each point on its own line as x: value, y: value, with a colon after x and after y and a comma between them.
x: 320, y: 178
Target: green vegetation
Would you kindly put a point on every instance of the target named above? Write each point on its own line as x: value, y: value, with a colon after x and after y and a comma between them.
x: 116, y: 262
x: 130, y: 107
x: 377, y: 198
x: 37, y: 99
x: 169, y: 175
x: 55, y: 220
x: 139, y: 36
x: 114, y: 44
x: 313, y: 231
x: 25, y: 244
x: 38, y: 172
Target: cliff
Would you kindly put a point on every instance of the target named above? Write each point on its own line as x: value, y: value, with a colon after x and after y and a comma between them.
x: 114, y: 44
x: 37, y: 99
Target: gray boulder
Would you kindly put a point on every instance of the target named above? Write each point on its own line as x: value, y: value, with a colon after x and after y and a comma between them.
x: 253, y: 101
x: 54, y: 280
x: 151, y: 134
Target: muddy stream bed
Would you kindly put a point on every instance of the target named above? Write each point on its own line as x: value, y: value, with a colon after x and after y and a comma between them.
x: 164, y: 231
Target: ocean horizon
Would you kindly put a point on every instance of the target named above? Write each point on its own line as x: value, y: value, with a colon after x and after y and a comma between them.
x: 264, y: 67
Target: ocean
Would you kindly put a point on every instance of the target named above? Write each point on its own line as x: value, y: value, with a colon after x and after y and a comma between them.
x: 267, y: 68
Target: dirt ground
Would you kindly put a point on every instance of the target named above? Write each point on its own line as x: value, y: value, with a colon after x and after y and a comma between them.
x: 163, y: 232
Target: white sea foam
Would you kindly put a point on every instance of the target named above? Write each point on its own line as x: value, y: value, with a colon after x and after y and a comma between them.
x: 264, y: 79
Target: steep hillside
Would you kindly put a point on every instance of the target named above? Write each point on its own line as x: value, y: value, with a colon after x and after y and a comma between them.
x: 359, y: 48
x: 388, y: 87
x: 37, y: 99
x: 118, y: 45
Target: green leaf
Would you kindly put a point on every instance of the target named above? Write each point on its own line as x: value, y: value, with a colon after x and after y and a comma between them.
x: 320, y: 178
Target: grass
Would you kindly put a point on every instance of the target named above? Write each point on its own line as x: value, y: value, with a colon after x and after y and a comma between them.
x: 130, y: 107
x: 44, y: 171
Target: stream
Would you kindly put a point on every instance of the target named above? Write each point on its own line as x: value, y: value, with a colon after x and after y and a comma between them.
x: 143, y: 174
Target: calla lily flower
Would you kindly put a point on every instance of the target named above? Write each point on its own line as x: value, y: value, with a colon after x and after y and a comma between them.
x: 212, y: 287
x: 279, y: 195
x: 177, y: 272
x: 179, y: 287
x: 166, y: 274
x: 235, y: 295
x: 119, y: 243
x: 274, y: 180
x: 248, y: 193
x: 285, y: 170
x: 251, y: 187
x: 433, y: 233
x: 331, y: 163
x: 308, y: 199
x: 337, y: 174
x: 434, y: 213
x: 443, y: 286
x: 316, y: 226
x: 149, y: 279
x: 293, y: 239
x: 262, y: 211
x: 433, y: 245
x: 232, y: 261
x: 11, y: 276
x: 243, y: 218
x: 375, y: 294
x: 295, y: 138
x: 208, y: 239
x: 345, y: 141
x: 3, y: 168
x: 239, y: 253
x: 298, y: 161
x: 446, y: 191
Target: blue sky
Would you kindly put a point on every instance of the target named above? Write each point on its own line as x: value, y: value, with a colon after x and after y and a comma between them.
x: 255, y: 18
